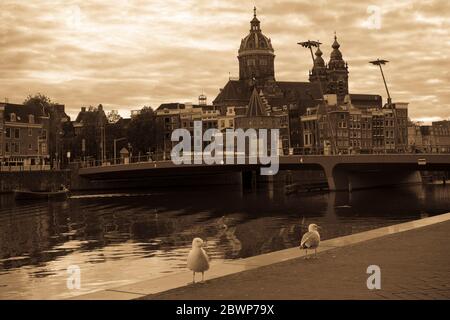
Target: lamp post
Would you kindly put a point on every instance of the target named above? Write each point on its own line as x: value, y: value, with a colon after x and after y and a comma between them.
x: 310, y: 44
x: 379, y: 63
x: 316, y: 44
x: 115, y: 148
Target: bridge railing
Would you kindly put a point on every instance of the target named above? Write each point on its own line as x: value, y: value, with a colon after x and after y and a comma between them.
x: 164, y: 157
x: 120, y: 161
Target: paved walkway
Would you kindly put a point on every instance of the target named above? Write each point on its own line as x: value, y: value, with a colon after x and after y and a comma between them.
x: 414, y: 264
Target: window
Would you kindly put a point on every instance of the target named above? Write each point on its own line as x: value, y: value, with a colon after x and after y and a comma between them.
x: 30, y: 132
x: 30, y: 146
x: 1, y: 149
x: 263, y: 62
x: 13, y: 117
x: 250, y: 62
x: 7, y: 149
x: 17, y: 133
x: 15, y: 146
x: 44, y: 134
x: 8, y: 133
x: 31, y: 118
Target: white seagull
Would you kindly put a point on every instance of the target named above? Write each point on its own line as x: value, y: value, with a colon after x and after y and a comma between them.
x: 198, y: 260
x: 311, y: 239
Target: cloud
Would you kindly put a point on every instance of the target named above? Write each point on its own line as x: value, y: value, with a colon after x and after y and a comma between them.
x: 129, y: 53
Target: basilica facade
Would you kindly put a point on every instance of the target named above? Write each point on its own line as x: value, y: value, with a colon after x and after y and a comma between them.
x: 288, y: 100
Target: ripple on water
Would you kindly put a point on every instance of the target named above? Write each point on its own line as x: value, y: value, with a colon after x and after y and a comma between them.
x: 120, y: 238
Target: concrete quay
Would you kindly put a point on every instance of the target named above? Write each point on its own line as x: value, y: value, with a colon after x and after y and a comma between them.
x: 413, y: 257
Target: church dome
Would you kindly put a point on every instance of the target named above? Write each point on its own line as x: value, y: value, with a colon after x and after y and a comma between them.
x: 336, y: 53
x: 255, y: 41
x: 318, y: 61
x: 256, y: 56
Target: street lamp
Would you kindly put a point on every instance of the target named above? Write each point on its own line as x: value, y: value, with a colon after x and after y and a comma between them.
x: 310, y: 44
x: 379, y: 63
x: 316, y: 44
x: 115, y: 148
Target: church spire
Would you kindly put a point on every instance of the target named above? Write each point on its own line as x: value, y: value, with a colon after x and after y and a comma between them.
x: 336, y: 53
x: 255, y: 106
x: 337, y: 72
x: 254, y: 24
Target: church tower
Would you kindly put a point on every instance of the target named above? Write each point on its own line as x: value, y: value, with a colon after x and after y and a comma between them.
x: 256, y: 56
x: 319, y: 71
x: 337, y: 70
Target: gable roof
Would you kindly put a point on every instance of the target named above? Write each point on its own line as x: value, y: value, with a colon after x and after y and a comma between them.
x: 22, y: 112
x: 91, y: 117
x: 255, y: 106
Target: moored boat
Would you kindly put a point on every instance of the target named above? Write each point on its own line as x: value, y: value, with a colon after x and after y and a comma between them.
x: 41, y: 195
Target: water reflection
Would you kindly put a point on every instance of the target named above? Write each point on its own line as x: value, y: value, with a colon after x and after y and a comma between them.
x: 127, y: 237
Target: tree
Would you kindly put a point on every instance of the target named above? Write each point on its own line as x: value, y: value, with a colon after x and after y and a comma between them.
x: 145, y: 132
x: 113, y: 116
x: 39, y: 100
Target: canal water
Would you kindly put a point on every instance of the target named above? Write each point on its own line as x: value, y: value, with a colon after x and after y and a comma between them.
x: 118, y: 238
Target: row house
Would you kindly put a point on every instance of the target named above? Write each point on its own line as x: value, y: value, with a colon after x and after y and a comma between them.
x: 225, y: 120
x: 183, y: 115
x: 434, y: 138
x: 378, y: 131
x: 24, y: 137
x: 441, y: 133
x: 345, y: 129
x: 90, y: 133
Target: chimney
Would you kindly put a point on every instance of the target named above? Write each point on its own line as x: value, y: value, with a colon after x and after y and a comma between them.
x: 83, y: 109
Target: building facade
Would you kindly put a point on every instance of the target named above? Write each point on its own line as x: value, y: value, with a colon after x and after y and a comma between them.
x: 24, y: 137
x: 341, y: 128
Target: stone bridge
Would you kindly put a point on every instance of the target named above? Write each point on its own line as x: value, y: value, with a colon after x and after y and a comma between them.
x: 343, y: 172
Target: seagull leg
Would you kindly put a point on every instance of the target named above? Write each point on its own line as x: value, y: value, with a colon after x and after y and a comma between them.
x: 193, y: 277
x: 203, y: 279
x: 315, y: 253
x: 306, y: 254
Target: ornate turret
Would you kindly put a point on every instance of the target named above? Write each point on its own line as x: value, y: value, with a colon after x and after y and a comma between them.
x: 337, y: 70
x: 319, y: 70
x: 318, y: 61
x: 256, y: 55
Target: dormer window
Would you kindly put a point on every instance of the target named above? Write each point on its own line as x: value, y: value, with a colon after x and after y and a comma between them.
x: 31, y: 118
x: 13, y: 117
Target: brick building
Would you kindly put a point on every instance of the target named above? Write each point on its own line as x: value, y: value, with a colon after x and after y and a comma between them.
x: 24, y: 137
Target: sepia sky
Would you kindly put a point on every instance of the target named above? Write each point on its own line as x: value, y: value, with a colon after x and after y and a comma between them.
x: 129, y: 53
